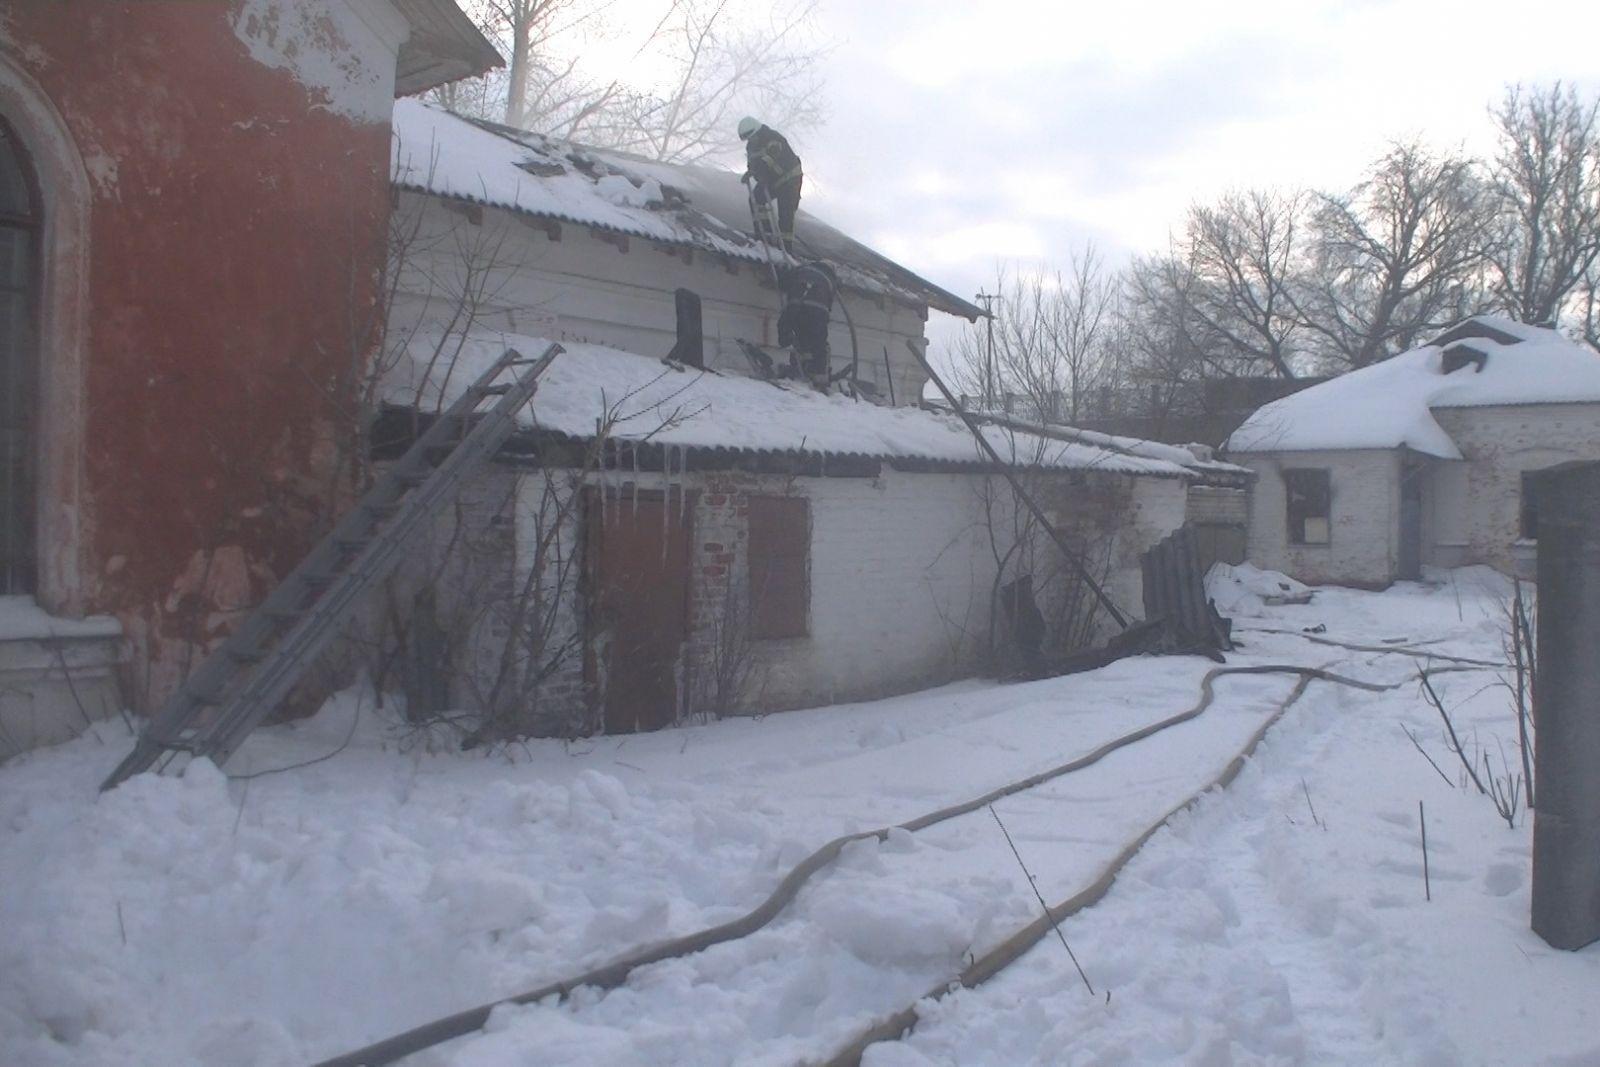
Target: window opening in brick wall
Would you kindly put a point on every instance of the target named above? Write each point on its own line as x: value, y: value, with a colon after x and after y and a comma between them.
x: 779, y: 554
x: 1308, y: 495
x: 1530, y: 506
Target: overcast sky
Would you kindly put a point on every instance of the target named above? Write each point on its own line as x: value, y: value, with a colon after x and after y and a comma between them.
x: 963, y: 132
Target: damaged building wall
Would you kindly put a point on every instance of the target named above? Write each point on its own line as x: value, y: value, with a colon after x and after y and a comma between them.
x: 1220, y: 516
x: 1114, y: 519
x: 463, y: 263
x: 1479, y: 514
x: 1360, y: 545
x: 224, y: 252
x: 467, y: 621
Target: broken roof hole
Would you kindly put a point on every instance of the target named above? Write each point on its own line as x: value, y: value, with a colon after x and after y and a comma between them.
x: 540, y: 169
x: 1458, y: 356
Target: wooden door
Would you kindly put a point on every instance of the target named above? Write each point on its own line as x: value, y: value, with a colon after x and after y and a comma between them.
x: 637, y: 586
x: 1410, y: 562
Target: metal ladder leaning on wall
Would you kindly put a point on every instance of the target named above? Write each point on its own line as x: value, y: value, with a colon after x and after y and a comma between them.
x: 240, y: 683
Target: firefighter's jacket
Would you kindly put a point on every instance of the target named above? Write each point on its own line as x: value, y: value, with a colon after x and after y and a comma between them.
x: 809, y: 285
x: 770, y: 160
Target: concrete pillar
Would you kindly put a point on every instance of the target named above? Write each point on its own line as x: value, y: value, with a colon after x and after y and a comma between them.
x: 1566, y: 826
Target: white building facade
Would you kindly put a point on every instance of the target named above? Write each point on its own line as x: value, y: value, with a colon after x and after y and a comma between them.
x: 1423, y: 460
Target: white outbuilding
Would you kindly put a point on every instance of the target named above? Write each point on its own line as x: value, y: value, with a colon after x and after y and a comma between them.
x: 1422, y: 460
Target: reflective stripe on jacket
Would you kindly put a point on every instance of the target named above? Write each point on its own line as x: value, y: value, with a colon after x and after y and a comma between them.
x: 770, y: 159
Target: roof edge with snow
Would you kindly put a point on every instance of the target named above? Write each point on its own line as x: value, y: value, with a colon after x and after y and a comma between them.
x: 663, y: 413
x: 1481, y: 362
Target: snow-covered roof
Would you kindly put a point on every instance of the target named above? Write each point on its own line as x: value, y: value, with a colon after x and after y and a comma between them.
x: 701, y: 207
x: 1390, y: 404
x: 1182, y: 455
x: 687, y: 408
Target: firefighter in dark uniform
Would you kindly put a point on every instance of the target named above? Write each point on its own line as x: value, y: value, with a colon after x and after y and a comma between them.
x: 774, y: 169
x: 808, y: 291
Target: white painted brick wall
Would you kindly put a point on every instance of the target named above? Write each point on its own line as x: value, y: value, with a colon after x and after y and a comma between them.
x: 470, y: 558
x: 900, y: 575
x: 901, y: 572
x: 1363, y: 546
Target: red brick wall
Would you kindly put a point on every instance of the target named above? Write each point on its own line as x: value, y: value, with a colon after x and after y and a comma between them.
x: 237, y: 225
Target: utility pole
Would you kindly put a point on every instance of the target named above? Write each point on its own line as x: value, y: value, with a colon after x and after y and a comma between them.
x: 988, y: 302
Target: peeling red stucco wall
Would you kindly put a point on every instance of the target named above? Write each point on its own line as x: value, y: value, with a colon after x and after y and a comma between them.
x: 238, y: 216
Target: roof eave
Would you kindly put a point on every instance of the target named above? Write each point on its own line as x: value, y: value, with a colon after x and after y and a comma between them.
x: 524, y: 443
x: 902, y: 295
x: 445, y: 46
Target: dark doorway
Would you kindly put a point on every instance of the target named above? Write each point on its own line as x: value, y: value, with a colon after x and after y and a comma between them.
x: 19, y: 365
x: 1410, y: 562
x: 637, y: 581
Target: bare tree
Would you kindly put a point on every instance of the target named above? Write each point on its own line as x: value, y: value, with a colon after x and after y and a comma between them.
x: 532, y: 34
x: 701, y: 63
x: 1397, y: 256
x: 722, y: 62
x: 1010, y: 354
x: 1085, y: 296
x: 1161, y: 354
x: 1048, y: 337
x: 1546, y: 185
x: 1588, y: 309
x: 1244, y: 254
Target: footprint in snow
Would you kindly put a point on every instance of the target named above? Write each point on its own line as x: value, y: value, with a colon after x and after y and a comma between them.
x: 1502, y: 879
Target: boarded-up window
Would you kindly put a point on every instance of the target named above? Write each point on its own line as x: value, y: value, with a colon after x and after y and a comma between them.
x: 1530, y: 505
x: 1306, y: 490
x: 780, y: 542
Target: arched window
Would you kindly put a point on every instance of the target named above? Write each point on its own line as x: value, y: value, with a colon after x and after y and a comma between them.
x: 19, y: 395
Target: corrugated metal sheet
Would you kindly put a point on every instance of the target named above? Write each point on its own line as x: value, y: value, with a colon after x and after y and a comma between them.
x: 666, y: 416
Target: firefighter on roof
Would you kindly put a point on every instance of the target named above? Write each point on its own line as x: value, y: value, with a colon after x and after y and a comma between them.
x: 774, y: 169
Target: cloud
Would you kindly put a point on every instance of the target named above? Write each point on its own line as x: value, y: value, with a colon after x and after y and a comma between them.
x: 964, y: 134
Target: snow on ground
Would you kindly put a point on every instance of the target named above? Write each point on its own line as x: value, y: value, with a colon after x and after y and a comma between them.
x: 289, y: 917
x: 1247, y: 590
x: 22, y: 617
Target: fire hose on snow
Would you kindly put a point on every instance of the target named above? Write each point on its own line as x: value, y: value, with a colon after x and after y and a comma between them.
x: 613, y: 974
